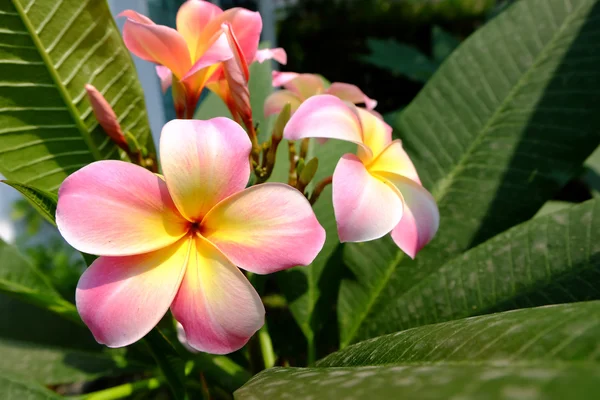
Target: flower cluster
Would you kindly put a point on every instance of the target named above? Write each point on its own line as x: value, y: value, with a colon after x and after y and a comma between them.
x: 175, y: 241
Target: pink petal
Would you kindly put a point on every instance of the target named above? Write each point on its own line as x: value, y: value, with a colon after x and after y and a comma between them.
x: 198, y: 75
x: 277, y: 100
x: 278, y: 54
x: 114, y: 208
x: 165, y: 76
x: 247, y: 26
x: 134, y: 16
x: 306, y: 85
x: 421, y: 217
x: 265, y: 228
x: 193, y: 18
x: 351, y: 93
x: 281, y: 78
x: 365, y: 207
x: 204, y: 162
x: 122, y: 298
x: 394, y: 159
x: 377, y: 135
x: 217, y: 306
x: 159, y: 44
x: 327, y: 117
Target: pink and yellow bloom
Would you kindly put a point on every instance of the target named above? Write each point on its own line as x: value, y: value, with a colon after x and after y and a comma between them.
x: 377, y: 190
x: 299, y: 87
x: 175, y: 241
x: 189, y: 56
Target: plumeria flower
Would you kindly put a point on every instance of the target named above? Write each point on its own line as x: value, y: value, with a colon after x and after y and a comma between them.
x: 175, y: 241
x: 299, y: 87
x: 377, y: 190
x: 189, y: 56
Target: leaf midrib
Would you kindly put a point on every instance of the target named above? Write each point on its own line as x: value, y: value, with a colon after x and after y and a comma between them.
x: 441, y: 188
x: 57, y: 81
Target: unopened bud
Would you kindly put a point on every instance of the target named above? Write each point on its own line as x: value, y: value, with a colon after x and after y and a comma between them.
x: 106, y: 116
x: 308, y: 172
x: 282, y: 120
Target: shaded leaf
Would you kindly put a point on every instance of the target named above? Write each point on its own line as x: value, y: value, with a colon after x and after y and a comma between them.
x: 443, y: 43
x: 51, y: 49
x: 493, y: 139
x: 13, y: 386
x: 399, y: 59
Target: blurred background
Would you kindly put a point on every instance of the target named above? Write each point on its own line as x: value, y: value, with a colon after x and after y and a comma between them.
x: 389, y: 48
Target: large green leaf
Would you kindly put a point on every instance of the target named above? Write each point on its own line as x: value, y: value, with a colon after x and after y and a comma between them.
x: 539, y: 353
x: 13, y: 386
x: 49, y: 50
x: 504, y: 123
x: 43, y: 202
x: 548, y: 260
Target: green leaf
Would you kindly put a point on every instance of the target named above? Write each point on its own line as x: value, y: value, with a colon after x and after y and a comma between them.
x: 50, y: 50
x: 44, y: 202
x: 538, y: 353
x: 492, y: 153
x: 260, y: 86
x: 13, y: 386
x: 399, y: 59
x: 170, y: 363
x: 443, y: 43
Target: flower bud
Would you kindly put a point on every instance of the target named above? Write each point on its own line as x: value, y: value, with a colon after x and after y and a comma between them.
x: 106, y: 117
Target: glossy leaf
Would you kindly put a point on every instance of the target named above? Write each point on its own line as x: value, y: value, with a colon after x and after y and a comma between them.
x: 492, y: 153
x: 43, y: 202
x: 51, y: 49
x: 540, y: 353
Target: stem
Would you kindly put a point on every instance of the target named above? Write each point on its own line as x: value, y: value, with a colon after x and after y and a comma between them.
x: 312, y: 352
x: 122, y: 391
x: 293, y: 176
x: 266, y: 347
x: 319, y: 188
x: 223, y: 370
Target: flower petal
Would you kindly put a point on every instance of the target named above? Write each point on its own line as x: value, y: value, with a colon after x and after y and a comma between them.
x: 192, y: 19
x: 377, y: 135
x: 278, y: 54
x: 281, y: 78
x: 137, y: 17
x: 395, y: 160
x: 365, y: 207
x: 247, y: 26
x: 275, y: 102
x: 208, y: 63
x: 351, y: 93
x: 217, y: 306
x: 114, y: 208
x: 421, y: 217
x: 265, y: 228
x: 306, y: 85
x: 204, y: 162
x: 159, y: 44
x: 166, y: 77
x: 324, y: 116
x: 122, y: 298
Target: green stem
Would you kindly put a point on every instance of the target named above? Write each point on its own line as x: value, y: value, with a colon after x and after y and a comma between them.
x: 223, y: 370
x: 312, y: 352
x: 122, y: 391
x: 266, y: 347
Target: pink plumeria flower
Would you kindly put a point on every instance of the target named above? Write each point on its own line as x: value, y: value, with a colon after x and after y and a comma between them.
x: 189, y: 56
x: 377, y: 190
x: 299, y: 87
x: 176, y: 241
